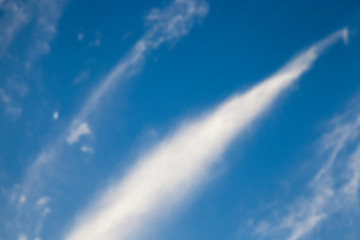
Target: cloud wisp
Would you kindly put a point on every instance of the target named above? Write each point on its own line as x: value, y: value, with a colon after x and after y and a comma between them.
x: 165, y: 25
x: 18, y: 14
x: 169, y: 24
x: 38, y: 19
x: 166, y: 174
x: 334, y: 188
x: 76, y: 133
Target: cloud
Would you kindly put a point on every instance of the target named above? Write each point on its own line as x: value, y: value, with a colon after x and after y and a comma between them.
x: 56, y: 115
x: 80, y: 37
x: 172, y: 169
x: 22, y: 199
x: 10, y: 95
x: 15, y: 17
x: 18, y: 14
x: 87, y: 149
x: 173, y: 22
x: 164, y: 25
x: 46, y: 212
x: 81, y: 130
x: 42, y: 201
x: 97, y: 41
x: 82, y: 76
x: 334, y: 188
x: 5, y: 98
x: 22, y: 237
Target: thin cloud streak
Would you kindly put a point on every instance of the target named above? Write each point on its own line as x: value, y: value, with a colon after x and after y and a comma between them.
x: 173, y: 22
x: 18, y: 14
x: 166, y: 174
x: 169, y: 24
x: 335, y: 187
x: 76, y: 133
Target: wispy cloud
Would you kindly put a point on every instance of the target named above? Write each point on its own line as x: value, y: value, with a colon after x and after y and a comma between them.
x: 81, y: 77
x: 18, y: 14
x: 87, y: 149
x: 335, y: 187
x: 170, y: 24
x: 56, y: 115
x: 172, y: 169
x: 10, y: 94
x: 164, y: 25
x: 42, y: 201
x: 81, y: 130
x: 173, y: 22
x: 15, y: 17
x: 38, y: 18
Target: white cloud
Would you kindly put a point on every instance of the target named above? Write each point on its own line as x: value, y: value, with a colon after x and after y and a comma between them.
x: 56, y: 115
x: 15, y: 17
x: 87, y: 149
x: 165, y: 25
x: 96, y: 42
x: 46, y: 212
x: 18, y: 14
x: 80, y: 37
x: 42, y: 201
x: 22, y: 237
x: 5, y: 98
x: 174, y: 22
x: 78, y: 131
x: 10, y: 109
x: 22, y: 199
x: 170, y: 171
x: 335, y: 186
x: 82, y: 76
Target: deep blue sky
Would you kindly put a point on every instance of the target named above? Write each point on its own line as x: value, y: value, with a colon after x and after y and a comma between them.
x: 52, y: 60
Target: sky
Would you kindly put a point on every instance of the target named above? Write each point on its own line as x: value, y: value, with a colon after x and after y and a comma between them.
x: 179, y: 119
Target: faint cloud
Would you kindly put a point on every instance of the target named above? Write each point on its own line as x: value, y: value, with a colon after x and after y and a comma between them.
x: 13, y: 112
x: 346, y: 36
x: 22, y: 237
x: 334, y: 188
x: 77, y: 132
x: 56, y: 115
x: 18, y: 14
x: 180, y: 14
x: 127, y: 35
x: 17, y: 87
x: 87, y: 149
x: 81, y: 77
x: 15, y: 17
x: 153, y: 132
x: 46, y: 212
x: 10, y: 95
x: 4, y: 96
x: 96, y: 42
x: 22, y: 199
x: 42, y: 201
x: 80, y: 37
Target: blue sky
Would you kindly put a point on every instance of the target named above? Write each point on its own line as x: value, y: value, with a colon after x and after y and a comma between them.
x: 182, y: 119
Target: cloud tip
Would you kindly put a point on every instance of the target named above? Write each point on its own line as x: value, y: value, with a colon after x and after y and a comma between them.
x: 345, y: 35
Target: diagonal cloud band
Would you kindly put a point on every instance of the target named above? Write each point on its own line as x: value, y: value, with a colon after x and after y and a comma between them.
x: 169, y: 24
x: 171, y: 170
x: 333, y: 190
